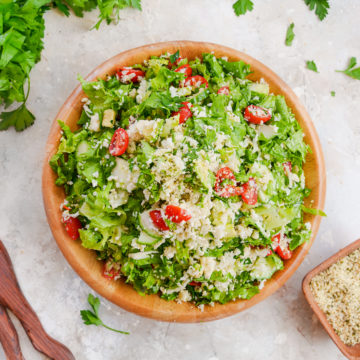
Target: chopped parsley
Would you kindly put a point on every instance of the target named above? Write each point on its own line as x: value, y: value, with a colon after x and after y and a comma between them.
x: 312, y: 66
x: 290, y: 35
x: 351, y: 70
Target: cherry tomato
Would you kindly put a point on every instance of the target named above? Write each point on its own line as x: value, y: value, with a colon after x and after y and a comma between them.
x: 176, y: 214
x: 171, y: 65
x: 72, y: 226
x: 184, y: 69
x: 256, y: 114
x: 196, y: 81
x: 224, y: 173
x: 269, y: 252
x: 195, y: 283
x: 110, y: 270
x: 249, y: 192
x: 128, y: 74
x: 287, y: 166
x: 184, y: 112
x: 158, y: 220
x: 119, y: 142
x: 229, y: 189
x: 284, y: 252
x: 224, y: 90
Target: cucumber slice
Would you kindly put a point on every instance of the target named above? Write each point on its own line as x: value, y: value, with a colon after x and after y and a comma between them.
x: 264, y: 268
x: 121, y: 172
x: 261, y: 88
x: 170, y: 124
x: 145, y: 239
x: 206, y: 177
x: 147, y: 225
x: 82, y: 148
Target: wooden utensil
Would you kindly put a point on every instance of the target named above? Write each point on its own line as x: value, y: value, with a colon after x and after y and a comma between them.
x: 84, y: 261
x: 351, y: 352
x: 12, y: 297
x: 8, y: 337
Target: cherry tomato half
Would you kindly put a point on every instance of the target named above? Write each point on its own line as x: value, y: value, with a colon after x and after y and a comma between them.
x: 184, y: 112
x: 176, y: 214
x: 249, y: 192
x: 196, y: 81
x: 128, y: 74
x: 256, y: 114
x: 287, y: 166
x: 158, y: 220
x: 229, y: 189
x: 195, y: 283
x: 110, y: 270
x: 72, y: 226
x: 225, y: 90
x: 176, y: 62
x: 184, y: 69
x: 119, y: 142
x: 284, y: 252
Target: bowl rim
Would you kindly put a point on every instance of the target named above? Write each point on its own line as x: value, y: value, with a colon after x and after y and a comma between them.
x: 351, y: 352
x: 123, y: 295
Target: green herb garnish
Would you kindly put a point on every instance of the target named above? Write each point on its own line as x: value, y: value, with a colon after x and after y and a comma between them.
x: 242, y: 6
x: 290, y: 35
x: 92, y: 317
x: 321, y: 7
x: 351, y: 71
x: 312, y: 66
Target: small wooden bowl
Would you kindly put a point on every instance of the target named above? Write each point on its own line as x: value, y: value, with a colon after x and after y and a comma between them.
x: 84, y: 261
x: 351, y: 352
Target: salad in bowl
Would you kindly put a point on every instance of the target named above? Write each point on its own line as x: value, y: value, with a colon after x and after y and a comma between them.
x: 186, y: 178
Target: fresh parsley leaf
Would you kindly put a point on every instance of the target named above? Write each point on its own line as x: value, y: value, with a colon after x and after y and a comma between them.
x: 174, y: 57
x: 350, y: 71
x: 92, y: 317
x: 312, y: 211
x: 311, y: 66
x: 332, y: 93
x: 110, y: 9
x: 20, y: 118
x: 290, y: 35
x: 21, y: 33
x: 242, y: 6
x: 321, y: 7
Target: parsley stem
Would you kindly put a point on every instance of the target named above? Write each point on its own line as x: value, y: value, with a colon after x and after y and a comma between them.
x: 119, y: 331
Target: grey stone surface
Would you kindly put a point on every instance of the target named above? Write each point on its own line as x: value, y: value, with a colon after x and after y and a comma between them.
x: 283, y: 326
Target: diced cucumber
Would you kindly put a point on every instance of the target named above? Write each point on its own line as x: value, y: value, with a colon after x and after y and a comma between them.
x: 261, y: 88
x: 82, y: 148
x: 265, y: 267
x: 204, y: 175
x: 145, y: 239
x: 170, y: 124
x: 147, y: 225
x: 121, y: 172
x: 276, y: 218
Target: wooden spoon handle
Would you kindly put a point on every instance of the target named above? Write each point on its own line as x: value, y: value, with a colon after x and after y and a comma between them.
x: 8, y: 337
x: 12, y: 297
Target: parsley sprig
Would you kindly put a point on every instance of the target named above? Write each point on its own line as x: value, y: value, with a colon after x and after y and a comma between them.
x: 351, y: 70
x: 320, y: 6
x: 92, y: 317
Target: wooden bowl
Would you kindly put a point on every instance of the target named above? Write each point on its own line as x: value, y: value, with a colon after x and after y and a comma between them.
x: 84, y: 261
x: 351, y: 352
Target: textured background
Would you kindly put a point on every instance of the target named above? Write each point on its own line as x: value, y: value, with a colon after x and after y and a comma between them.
x: 283, y: 326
